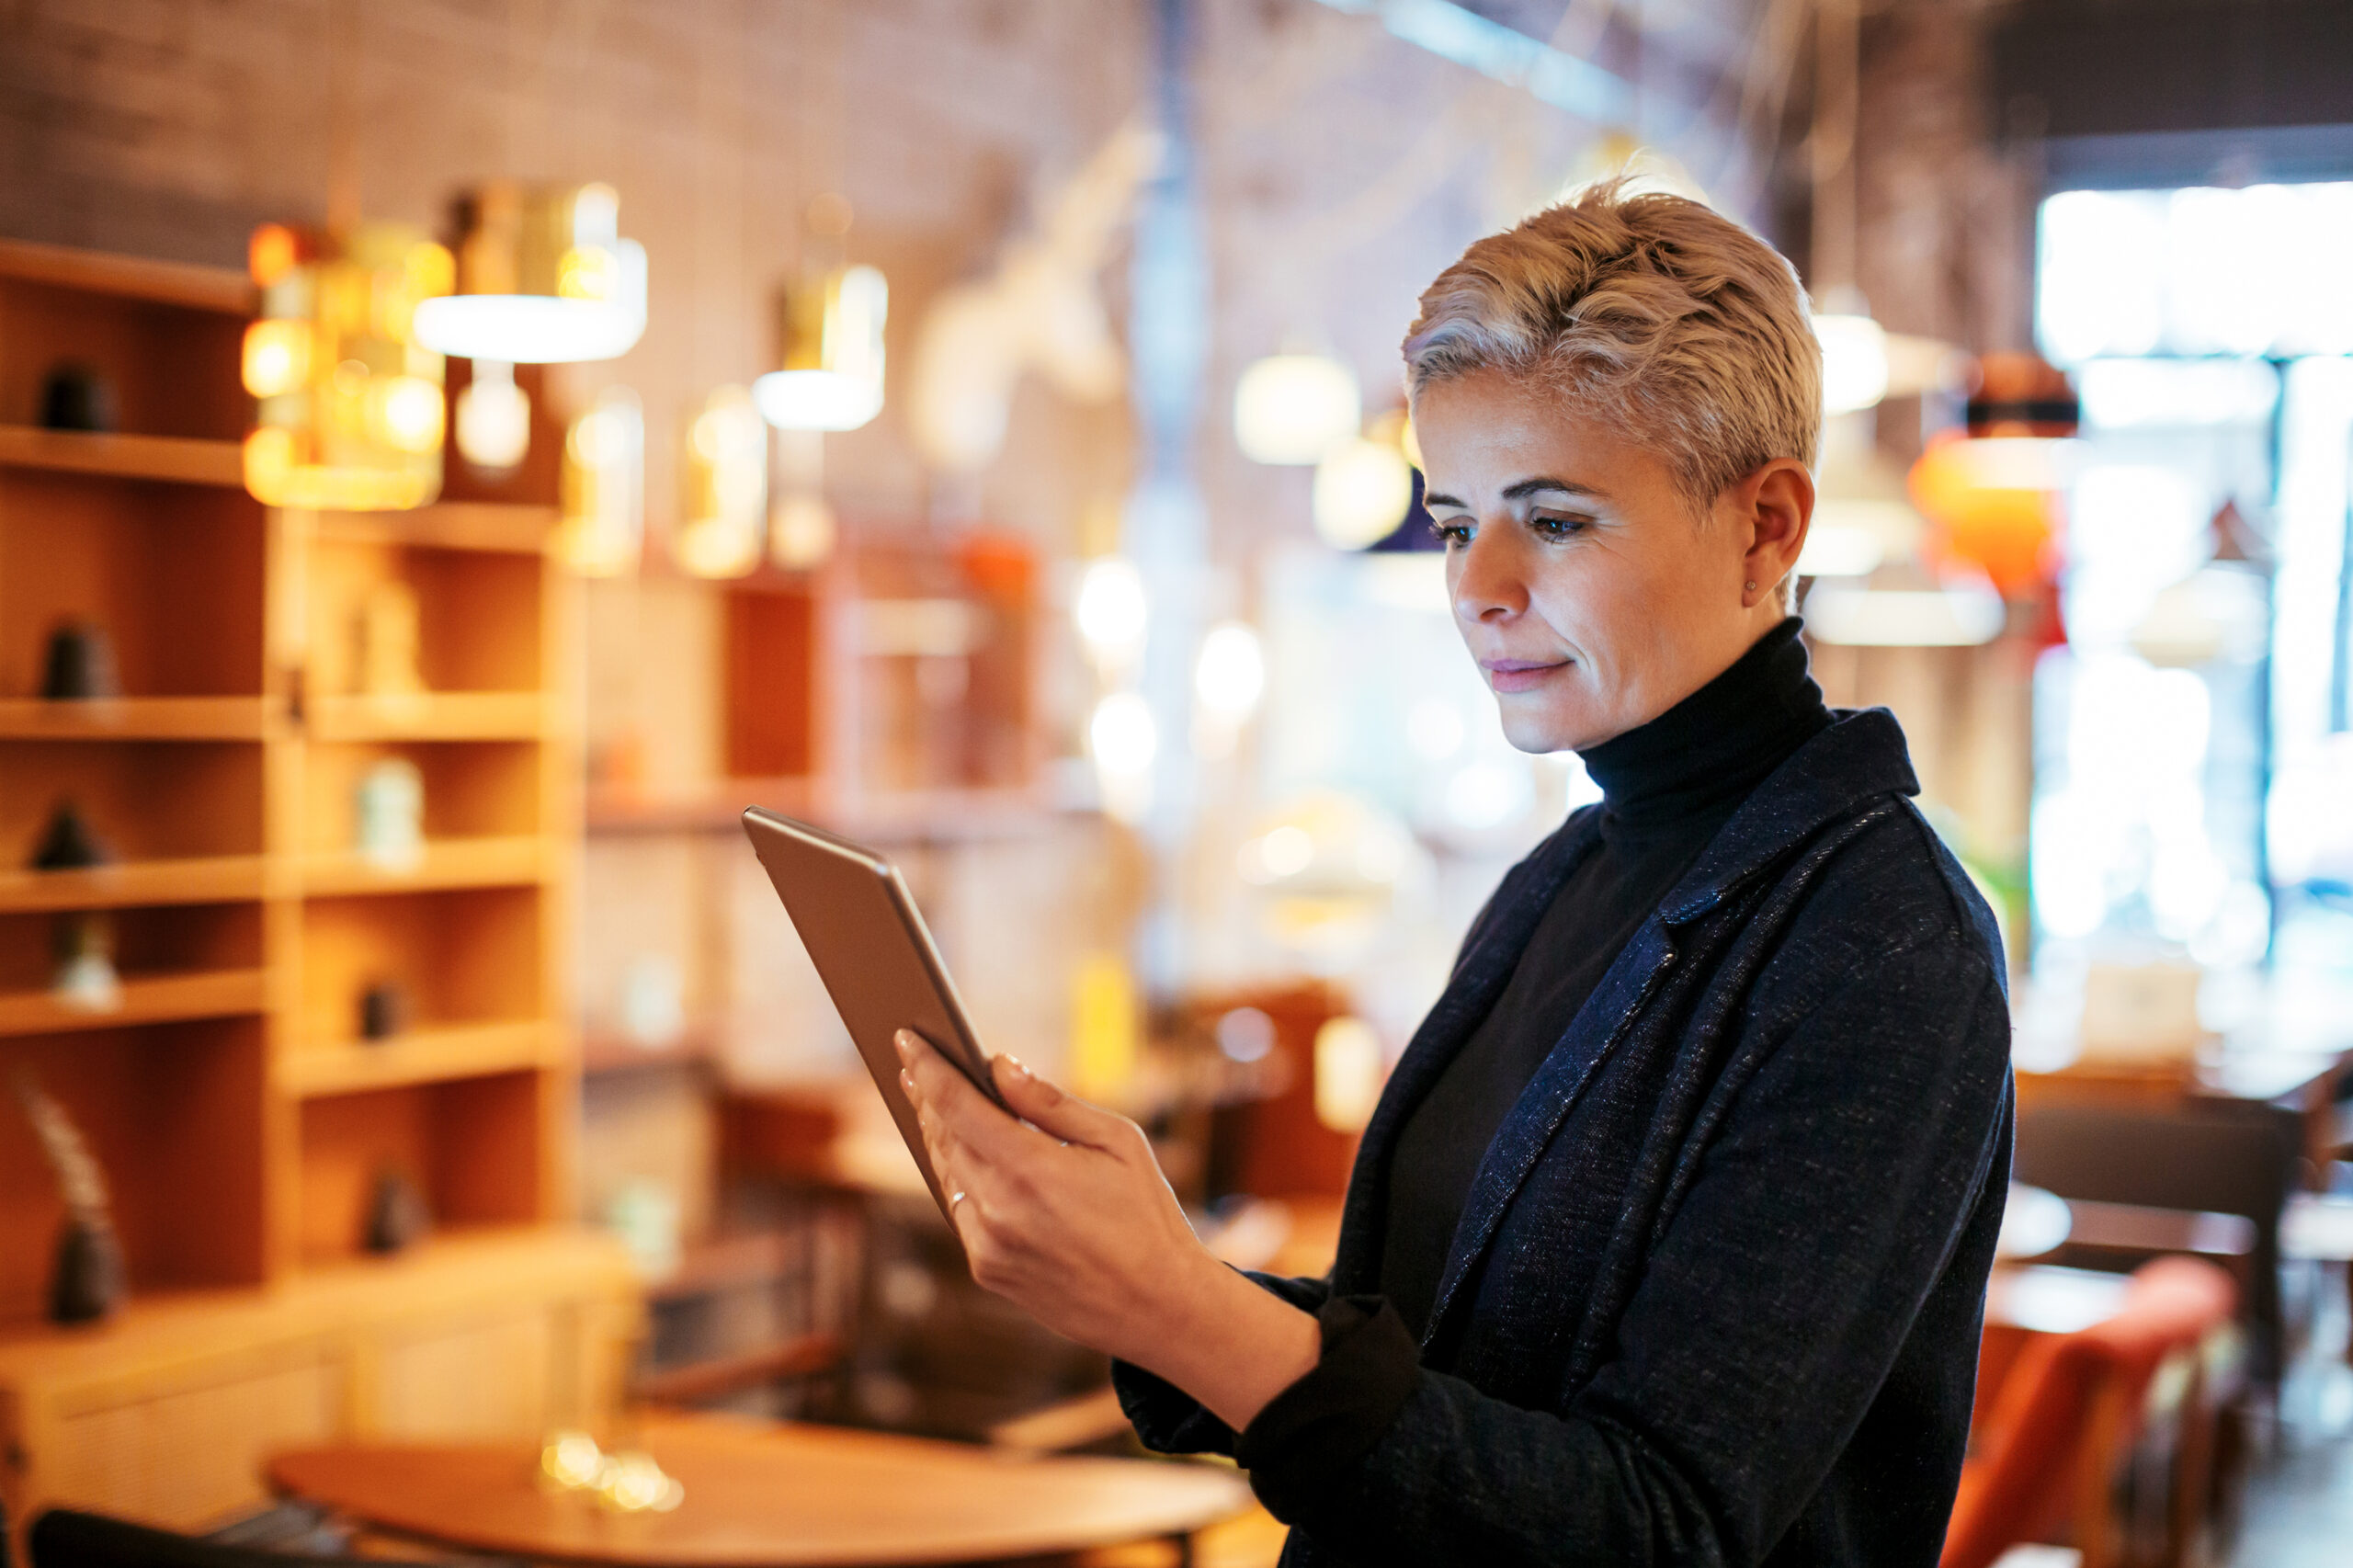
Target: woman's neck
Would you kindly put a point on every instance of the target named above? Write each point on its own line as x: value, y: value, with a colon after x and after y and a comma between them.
x: 1710, y: 750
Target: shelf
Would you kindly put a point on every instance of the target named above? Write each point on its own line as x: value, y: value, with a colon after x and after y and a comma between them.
x: 217, y: 879
x: 146, y: 999
x: 174, y: 459
x: 451, y: 525
x: 136, y: 719
x: 431, y: 716
x: 221, y: 289
x: 451, y: 863
x: 431, y: 1055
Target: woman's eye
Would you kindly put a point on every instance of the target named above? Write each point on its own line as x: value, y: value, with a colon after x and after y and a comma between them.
x: 1451, y: 534
x: 1559, y: 527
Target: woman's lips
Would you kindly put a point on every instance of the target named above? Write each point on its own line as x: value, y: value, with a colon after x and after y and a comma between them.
x: 1519, y: 675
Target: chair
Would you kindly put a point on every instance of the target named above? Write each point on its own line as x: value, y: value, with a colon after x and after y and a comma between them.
x: 2228, y: 1159
x: 66, y: 1538
x: 2105, y: 1434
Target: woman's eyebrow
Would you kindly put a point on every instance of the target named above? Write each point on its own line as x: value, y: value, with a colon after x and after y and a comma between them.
x: 1521, y: 489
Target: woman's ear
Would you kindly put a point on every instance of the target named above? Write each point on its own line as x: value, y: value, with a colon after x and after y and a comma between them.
x: 1777, y: 508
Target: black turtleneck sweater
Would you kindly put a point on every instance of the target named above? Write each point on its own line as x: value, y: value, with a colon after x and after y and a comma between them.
x: 1667, y: 787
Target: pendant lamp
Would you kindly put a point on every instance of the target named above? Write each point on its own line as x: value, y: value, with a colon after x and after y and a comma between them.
x: 727, y: 487
x: 831, y: 374
x: 349, y: 411
x: 1294, y: 408
x: 543, y: 278
x: 603, y: 529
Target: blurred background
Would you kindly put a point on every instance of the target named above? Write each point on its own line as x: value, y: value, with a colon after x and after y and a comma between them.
x: 454, y: 457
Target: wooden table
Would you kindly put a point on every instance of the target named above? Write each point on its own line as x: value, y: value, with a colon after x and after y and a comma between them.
x: 763, y: 1494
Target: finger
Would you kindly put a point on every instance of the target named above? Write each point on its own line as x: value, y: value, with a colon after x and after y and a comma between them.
x: 943, y: 1093
x: 1048, y: 1108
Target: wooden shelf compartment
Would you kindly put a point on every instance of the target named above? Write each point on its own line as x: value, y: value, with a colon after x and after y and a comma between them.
x: 208, y: 878
x: 153, y: 943
x: 468, y: 956
x: 448, y: 525
x: 166, y: 341
x: 430, y: 716
x: 173, y: 1113
x: 170, y: 459
x: 146, y: 999
x: 432, y: 1055
x: 476, y: 1147
x: 479, y: 615
x: 148, y: 799
x: 138, y: 719
x: 172, y: 577
x: 475, y: 790
x: 494, y: 862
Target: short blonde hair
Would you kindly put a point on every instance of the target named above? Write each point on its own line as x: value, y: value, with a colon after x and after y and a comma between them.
x: 1652, y: 307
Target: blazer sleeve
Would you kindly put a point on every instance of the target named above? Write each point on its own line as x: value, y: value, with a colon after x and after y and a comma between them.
x: 1775, y: 1305
x: 1170, y: 1421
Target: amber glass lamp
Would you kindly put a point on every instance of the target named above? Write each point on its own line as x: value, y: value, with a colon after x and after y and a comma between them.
x: 349, y: 411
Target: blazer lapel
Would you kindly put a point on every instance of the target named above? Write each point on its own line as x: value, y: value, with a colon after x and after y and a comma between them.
x: 1604, y: 1021
x: 1480, y: 973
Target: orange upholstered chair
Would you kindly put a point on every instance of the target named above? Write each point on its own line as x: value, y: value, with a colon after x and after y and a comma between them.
x: 2065, y: 1415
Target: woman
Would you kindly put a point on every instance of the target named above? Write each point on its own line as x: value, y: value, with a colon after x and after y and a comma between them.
x: 1669, y: 1240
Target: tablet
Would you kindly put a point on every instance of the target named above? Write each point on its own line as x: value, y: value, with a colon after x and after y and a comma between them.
x: 876, y: 958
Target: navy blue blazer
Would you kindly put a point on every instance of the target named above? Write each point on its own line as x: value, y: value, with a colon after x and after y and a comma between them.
x: 1716, y: 1294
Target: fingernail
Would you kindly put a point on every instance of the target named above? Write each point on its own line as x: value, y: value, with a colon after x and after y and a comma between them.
x: 1020, y: 1068
x: 903, y: 1044
x: 907, y: 1080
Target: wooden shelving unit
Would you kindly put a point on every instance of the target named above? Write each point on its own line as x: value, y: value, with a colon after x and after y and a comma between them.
x: 241, y: 1121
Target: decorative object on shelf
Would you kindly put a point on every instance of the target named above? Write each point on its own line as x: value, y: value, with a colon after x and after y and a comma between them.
x: 89, y: 1280
x: 389, y: 810
x: 727, y: 486
x: 384, y: 1010
x: 652, y: 1001
x: 349, y: 414
x: 602, y: 487
x: 387, y: 632
x: 398, y: 1216
x: 84, y: 980
x: 80, y: 664
x: 1292, y: 408
x: 69, y: 843
x: 75, y: 396
x: 644, y: 1214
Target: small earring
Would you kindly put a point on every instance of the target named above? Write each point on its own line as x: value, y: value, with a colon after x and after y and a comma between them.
x: 1749, y: 587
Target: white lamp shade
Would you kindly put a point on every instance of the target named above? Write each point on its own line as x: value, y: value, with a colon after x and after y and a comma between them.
x: 542, y: 329
x: 817, y: 400
x: 1294, y: 408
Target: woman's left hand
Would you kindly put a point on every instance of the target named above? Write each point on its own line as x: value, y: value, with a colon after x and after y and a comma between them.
x: 1065, y: 1213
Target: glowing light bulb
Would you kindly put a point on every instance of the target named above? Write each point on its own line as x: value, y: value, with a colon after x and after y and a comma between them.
x: 494, y: 419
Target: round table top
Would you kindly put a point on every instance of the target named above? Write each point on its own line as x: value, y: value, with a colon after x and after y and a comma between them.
x: 763, y: 1494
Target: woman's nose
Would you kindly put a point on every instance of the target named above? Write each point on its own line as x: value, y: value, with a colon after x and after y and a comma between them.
x: 1487, y: 585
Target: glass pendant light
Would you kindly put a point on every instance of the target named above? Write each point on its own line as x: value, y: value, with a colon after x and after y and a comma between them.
x: 727, y: 487
x: 349, y: 411
x: 543, y: 278
x: 831, y: 377
x: 1293, y: 408
x: 603, y: 529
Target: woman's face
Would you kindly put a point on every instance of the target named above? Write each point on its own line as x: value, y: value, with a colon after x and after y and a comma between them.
x: 1591, y: 596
